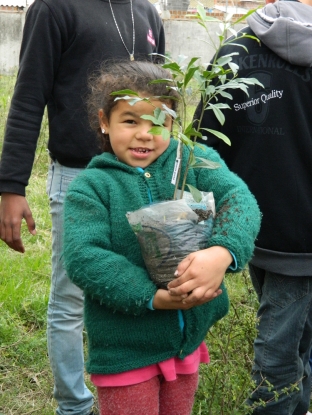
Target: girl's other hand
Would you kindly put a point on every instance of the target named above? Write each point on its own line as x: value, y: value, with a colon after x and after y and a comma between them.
x: 164, y: 301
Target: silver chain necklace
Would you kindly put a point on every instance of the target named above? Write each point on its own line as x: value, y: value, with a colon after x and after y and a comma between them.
x: 133, y: 30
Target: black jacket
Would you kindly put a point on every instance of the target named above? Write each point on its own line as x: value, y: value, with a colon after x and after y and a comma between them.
x: 63, y: 43
x: 271, y: 135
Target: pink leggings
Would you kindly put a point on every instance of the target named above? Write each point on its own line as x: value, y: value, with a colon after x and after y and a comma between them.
x: 153, y: 397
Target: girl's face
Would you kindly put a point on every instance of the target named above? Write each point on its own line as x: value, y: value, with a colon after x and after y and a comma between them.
x: 128, y: 133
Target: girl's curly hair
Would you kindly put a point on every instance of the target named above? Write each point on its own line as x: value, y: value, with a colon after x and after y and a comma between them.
x: 116, y: 76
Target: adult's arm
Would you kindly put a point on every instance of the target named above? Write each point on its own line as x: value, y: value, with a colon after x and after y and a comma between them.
x: 39, y: 59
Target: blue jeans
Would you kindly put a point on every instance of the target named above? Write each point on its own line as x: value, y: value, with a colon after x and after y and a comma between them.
x: 283, y: 344
x: 65, y: 311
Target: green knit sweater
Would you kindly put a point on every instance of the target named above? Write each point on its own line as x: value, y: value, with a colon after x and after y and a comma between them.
x: 102, y: 256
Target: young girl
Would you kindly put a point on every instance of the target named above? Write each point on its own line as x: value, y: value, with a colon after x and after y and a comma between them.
x: 145, y: 344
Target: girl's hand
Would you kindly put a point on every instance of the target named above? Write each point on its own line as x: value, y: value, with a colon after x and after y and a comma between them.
x: 200, y: 275
x: 164, y: 301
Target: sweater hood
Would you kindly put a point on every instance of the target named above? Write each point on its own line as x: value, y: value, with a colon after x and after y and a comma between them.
x: 286, y: 28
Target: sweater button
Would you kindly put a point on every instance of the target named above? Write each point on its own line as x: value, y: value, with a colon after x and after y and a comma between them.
x: 148, y: 175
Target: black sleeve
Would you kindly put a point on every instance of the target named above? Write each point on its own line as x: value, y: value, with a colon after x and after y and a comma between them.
x: 39, y: 59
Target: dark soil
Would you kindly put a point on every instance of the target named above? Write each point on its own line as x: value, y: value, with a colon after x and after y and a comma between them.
x: 203, y: 214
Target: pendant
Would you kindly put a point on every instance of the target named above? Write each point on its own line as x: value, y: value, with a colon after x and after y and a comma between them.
x: 131, y: 57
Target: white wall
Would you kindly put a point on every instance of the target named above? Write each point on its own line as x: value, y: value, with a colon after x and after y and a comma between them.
x: 188, y: 38
x: 11, y: 27
x: 183, y: 37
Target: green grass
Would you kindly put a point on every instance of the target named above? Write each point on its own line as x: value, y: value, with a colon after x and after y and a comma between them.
x: 25, y: 378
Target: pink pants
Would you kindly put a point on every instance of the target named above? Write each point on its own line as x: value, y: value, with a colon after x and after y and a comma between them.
x: 153, y: 397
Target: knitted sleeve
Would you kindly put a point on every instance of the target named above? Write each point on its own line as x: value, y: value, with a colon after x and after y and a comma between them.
x: 89, y: 259
x: 238, y: 217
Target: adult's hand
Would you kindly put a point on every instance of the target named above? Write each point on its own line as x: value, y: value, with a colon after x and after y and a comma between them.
x: 13, y: 209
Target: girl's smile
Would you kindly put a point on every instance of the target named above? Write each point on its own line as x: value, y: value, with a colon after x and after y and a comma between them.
x: 140, y: 152
x: 129, y: 134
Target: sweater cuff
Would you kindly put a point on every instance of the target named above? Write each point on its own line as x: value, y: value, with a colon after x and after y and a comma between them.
x: 149, y: 305
x: 233, y: 266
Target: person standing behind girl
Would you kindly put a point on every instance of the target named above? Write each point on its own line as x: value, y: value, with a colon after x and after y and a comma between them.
x: 145, y: 344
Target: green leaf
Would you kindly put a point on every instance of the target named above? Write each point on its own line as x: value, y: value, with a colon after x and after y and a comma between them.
x: 228, y: 18
x: 191, y: 132
x: 218, y: 113
x: 245, y: 15
x: 189, y: 75
x: 160, y: 131
x: 160, y: 115
x: 165, y: 134
x: 197, y: 196
x: 185, y: 140
x: 234, y: 33
x: 201, y: 12
x: 250, y: 81
x: 156, y: 130
x: 161, y: 81
x: 169, y: 111
x: 181, y: 59
x: 191, y: 62
x: 131, y: 101
x: 224, y: 60
x: 234, y: 67
x: 218, y: 134
x: 221, y: 38
x: 192, y: 159
x: 210, y: 90
x: 173, y: 66
x: 251, y: 37
x: 203, y: 24
x: 241, y: 46
x: 151, y: 118
x: 165, y: 58
x: 222, y: 106
x: 225, y: 94
x: 124, y: 92
x: 158, y: 119
x: 244, y: 88
x: 223, y: 79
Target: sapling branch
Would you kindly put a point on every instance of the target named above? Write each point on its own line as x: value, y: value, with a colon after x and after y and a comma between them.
x: 189, y: 80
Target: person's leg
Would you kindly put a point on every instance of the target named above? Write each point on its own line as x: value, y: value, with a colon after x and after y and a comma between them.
x: 65, y: 311
x: 304, y: 356
x: 177, y: 397
x: 283, y: 343
x: 139, y: 399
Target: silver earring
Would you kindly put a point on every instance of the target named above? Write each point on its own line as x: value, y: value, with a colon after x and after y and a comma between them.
x: 103, y: 130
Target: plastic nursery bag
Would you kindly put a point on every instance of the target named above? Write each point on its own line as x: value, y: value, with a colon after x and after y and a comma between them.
x: 167, y: 232
x: 206, y: 209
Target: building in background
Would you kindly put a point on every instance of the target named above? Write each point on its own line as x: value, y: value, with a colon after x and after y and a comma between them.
x: 183, y: 35
x: 18, y: 4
